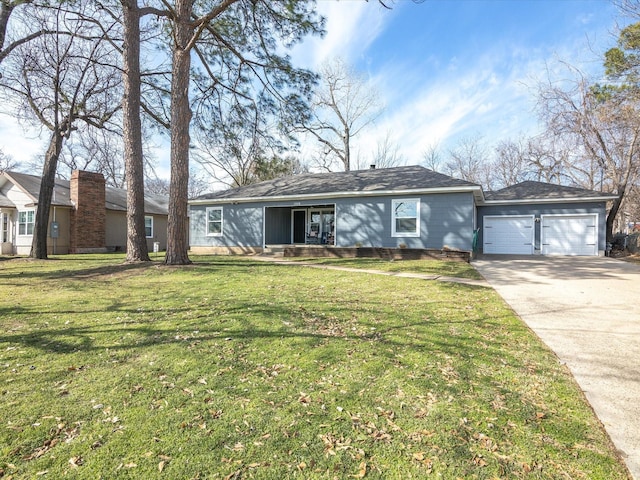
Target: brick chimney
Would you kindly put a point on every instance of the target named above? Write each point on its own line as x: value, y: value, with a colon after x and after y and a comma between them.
x: 89, y: 213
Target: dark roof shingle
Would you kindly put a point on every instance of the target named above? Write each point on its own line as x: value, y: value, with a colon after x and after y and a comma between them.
x: 531, y: 190
x: 382, y: 179
x: 115, y: 198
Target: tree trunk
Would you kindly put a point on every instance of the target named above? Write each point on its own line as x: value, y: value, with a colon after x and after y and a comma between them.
x: 615, y: 207
x: 47, y: 184
x: 137, y: 249
x: 347, y: 150
x: 5, y: 13
x: 177, y: 235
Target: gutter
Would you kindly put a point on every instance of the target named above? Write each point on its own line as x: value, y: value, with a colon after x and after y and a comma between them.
x: 603, y: 198
x: 476, y: 190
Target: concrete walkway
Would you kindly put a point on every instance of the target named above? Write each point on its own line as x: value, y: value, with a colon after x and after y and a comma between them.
x: 439, y: 278
x: 586, y: 310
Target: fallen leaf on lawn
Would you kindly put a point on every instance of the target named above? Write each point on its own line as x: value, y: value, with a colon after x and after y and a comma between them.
x: 302, y: 466
x: 232, y: 475
x: 131, y: 465
x: 161, y: 466
x: 42, y: 472
x: 362, y: 471
x: 203, y: 381
x: 75, y: 461
x: 479, y: 461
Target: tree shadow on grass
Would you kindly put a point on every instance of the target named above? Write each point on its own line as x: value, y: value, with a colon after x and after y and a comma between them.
x: 247, y: 322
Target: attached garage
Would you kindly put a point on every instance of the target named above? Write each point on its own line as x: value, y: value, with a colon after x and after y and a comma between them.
x: 536, y: 218
x: 569, y: 234
x: 508, y: 234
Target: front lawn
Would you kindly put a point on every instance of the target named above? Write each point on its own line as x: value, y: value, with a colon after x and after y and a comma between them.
x: 235, y: 368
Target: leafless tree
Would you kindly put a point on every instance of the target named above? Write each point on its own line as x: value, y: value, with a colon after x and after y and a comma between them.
x: 432, y: 158
x: 7, y: 163
x: 510, y: 164
x: 56, y: 82
x: 387, y: 153
x: 229, y: 148
x: 548, y: 158
x: 344, y: 104
x: 603, y: 127
x: 98, y: 150
x: 469, y: 160
x: 10, y: 40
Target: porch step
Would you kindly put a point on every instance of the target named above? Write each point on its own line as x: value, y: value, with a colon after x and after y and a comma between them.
x: 273, y: 251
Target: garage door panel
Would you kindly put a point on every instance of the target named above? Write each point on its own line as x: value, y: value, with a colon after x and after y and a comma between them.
x: 508, y: 235
x: 569, y: 234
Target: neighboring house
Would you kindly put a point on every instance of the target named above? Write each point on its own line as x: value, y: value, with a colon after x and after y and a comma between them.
x: 403, y: 207
x: 85, y: 215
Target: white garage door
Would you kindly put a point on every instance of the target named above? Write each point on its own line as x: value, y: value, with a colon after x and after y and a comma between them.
x: 569, y: 234
x: 508, y: 234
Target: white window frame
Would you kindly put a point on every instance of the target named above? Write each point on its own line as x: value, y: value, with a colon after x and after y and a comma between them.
x: 395, y: 233
x: 148, y: 217
x: 26, y: 223
x: 221, y: 221
x: 4, y: 227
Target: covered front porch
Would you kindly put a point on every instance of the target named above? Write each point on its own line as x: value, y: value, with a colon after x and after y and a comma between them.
x: 298, y: 225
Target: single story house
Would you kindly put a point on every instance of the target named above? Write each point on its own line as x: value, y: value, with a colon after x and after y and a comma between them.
x: 403, y: 207
x: 86, y: 216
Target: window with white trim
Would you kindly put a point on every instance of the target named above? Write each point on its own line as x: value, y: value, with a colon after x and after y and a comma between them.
x: 405, y: 217
x: 26, y: 221
x: 148, y: 227
x: 214, y: 221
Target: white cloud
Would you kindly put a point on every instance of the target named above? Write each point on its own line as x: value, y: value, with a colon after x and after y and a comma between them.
x: 481, y: 97
x: 351, y: 28
x: 20, y: 143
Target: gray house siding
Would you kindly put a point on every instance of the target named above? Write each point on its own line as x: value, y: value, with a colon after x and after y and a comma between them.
x: 241, y: 227
x: 446, y: 220
x: 545, y: 209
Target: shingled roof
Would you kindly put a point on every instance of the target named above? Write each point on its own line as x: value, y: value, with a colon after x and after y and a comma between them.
x: 30, y: 185
x: 397, y: 179
x: 115, y: 198
x: 530, y: 190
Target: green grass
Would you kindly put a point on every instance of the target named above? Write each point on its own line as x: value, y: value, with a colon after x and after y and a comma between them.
x: 426, y: 267
x: 235, y: 368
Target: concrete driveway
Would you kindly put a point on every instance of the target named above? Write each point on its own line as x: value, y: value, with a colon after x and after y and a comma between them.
x: 587, y: 310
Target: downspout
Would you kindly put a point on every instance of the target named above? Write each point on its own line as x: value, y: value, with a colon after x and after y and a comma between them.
x: 55, y: 240
x: 264, y: 226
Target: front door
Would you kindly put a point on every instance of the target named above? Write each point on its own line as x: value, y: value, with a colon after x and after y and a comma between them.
x: 299, y: 226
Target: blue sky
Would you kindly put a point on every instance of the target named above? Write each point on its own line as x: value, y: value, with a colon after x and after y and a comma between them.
x: 453, y: 69
x: 445, y: 69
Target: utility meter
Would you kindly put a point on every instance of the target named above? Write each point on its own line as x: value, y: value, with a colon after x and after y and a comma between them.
x: 54, y: 231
